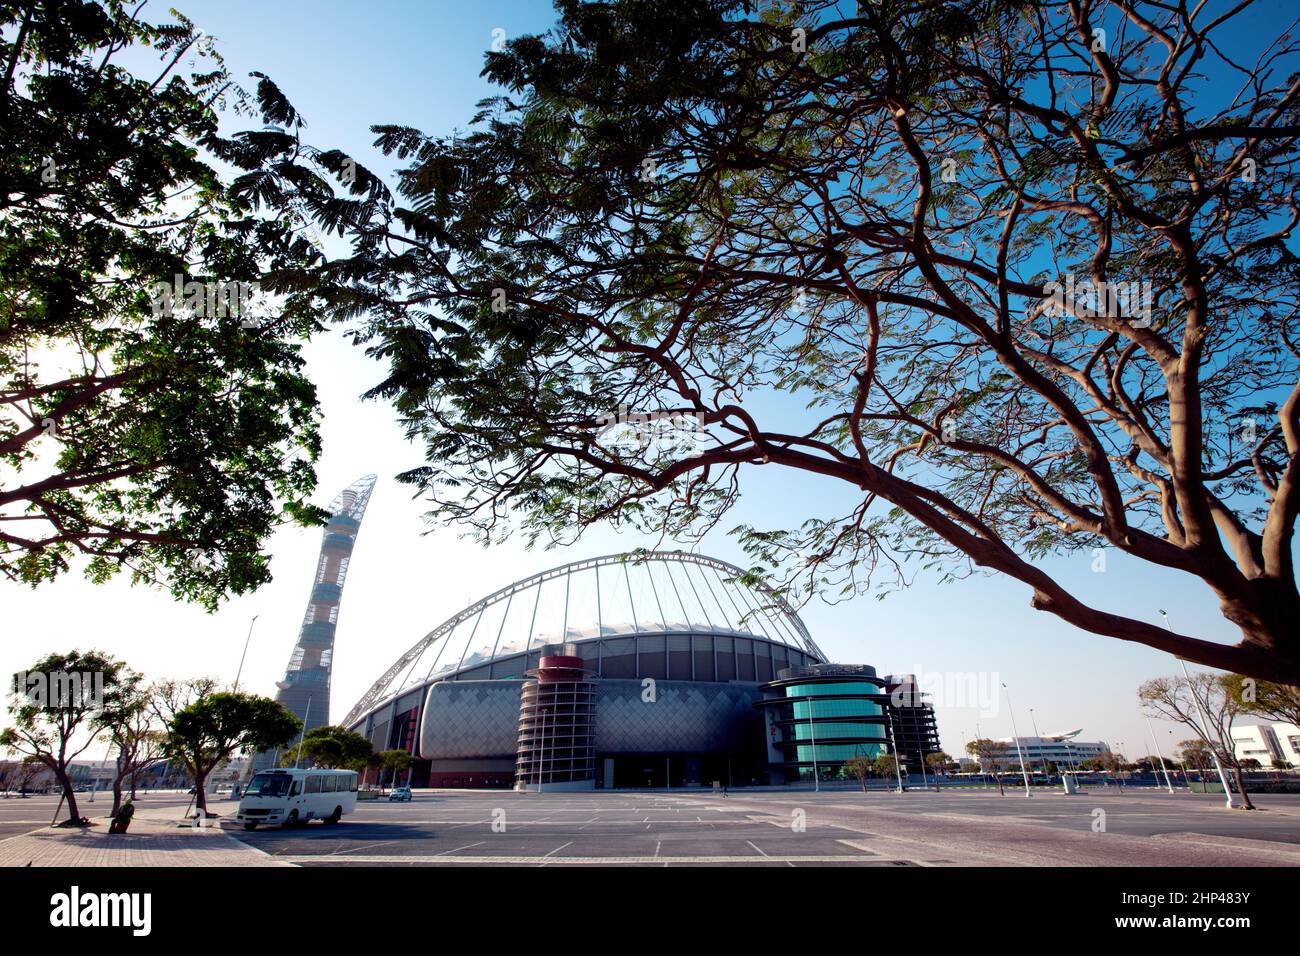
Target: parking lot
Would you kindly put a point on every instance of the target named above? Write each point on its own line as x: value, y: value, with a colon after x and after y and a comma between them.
x: 784, y: 828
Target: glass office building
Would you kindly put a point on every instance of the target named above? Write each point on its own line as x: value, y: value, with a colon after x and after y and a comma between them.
x: 821, y: 716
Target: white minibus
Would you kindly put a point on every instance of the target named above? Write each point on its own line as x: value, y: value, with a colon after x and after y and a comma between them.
x: 292, y: 796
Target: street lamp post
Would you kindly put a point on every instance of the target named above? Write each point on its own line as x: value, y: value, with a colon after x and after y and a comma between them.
x: 1156, y: 744
x: 240, y: 672
x: 1019, y: 753
x: 898, y: 764
x: 1047, y: 777
x: 303, y: 736
x: 1223, y: 778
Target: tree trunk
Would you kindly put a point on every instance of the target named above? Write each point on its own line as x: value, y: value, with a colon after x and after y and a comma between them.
x: 69, y: 794
x: 998, y: 778
x: 200, y: 797
x: 1241, y: 789
x: 117, y: 796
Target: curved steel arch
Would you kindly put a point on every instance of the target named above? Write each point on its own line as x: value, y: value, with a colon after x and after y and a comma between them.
x: 376, y: 691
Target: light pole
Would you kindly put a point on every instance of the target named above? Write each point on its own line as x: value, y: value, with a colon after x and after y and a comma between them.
x: 898, y: 764
x: 1223, y: 778
x: 1019, y: 753
x: 1047, y: 777
x: 305, y: 717
x: 1156, y: 744
x: 240, y: 672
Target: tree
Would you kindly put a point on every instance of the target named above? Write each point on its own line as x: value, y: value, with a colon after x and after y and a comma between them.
x: 1279, y: 702
x: 1003, y: 284
x: 130, y: 722
x: 885, y: 766
x: 1194, y: 755
x: 208, y: 732
x: 1112, y: 764
x: 938, y: 763
x: 54, y: 706
x: 1206, y: 704
x: 859, y: 767
x: 992, y: 757
x: 395, y: 761
x: 154, y: 414
x: 332, y: 747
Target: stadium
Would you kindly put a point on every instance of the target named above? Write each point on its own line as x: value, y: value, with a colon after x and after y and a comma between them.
x: 644, y: 669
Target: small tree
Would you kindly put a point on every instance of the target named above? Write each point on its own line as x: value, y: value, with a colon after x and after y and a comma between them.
x: 332, y: 746
x: 1208, y: 704
x: 1112, y: 763
x: 129, y: 720
x: 1194, y: 755
x: 885, y: 765
x: 54, y: 712
x: 208, y: 732
x: 992, y: 756
x: 938, y: 763
x: 859, y: 767
x: 397, y: 761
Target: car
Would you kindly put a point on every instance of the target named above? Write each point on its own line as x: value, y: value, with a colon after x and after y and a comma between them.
x: 399, y: 793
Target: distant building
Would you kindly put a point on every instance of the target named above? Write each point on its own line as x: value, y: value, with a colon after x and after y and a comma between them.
x: 1270, y: 744
x: 1064, y: 750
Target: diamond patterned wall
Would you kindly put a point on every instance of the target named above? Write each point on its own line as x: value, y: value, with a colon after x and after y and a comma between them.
x: 685, y: 717
x: 470, y: 718
x: 480, y: 718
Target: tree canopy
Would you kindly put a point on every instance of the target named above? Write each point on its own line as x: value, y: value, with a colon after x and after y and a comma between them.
x: 1021, y: 275
x: 333, y: 747
x: 154, y: 414
x: 216, y: 726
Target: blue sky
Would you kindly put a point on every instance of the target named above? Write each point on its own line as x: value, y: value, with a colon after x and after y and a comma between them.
x: 347, y: 66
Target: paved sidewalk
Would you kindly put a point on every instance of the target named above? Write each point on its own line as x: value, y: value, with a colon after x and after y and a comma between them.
x: 155, y: 839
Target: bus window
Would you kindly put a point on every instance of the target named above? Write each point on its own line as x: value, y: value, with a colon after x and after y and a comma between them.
x: 313, y: 783
x: 330, y: 784
x: 352, y: 778
x: 297, y: 788
x: 268, y: 785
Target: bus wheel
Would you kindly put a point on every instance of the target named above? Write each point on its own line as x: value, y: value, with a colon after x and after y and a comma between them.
x: 250, y: 826
x: 293, y: 819
x: 335, y: 816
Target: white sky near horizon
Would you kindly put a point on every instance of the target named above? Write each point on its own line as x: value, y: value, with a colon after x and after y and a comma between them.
x: 418, y: 64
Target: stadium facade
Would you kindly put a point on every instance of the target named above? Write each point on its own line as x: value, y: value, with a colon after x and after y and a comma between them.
x: 645, y: 669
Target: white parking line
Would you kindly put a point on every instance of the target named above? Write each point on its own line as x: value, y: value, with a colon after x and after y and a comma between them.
x: 364, y: 846
x: 756, y: 849
x: 459, y: 848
